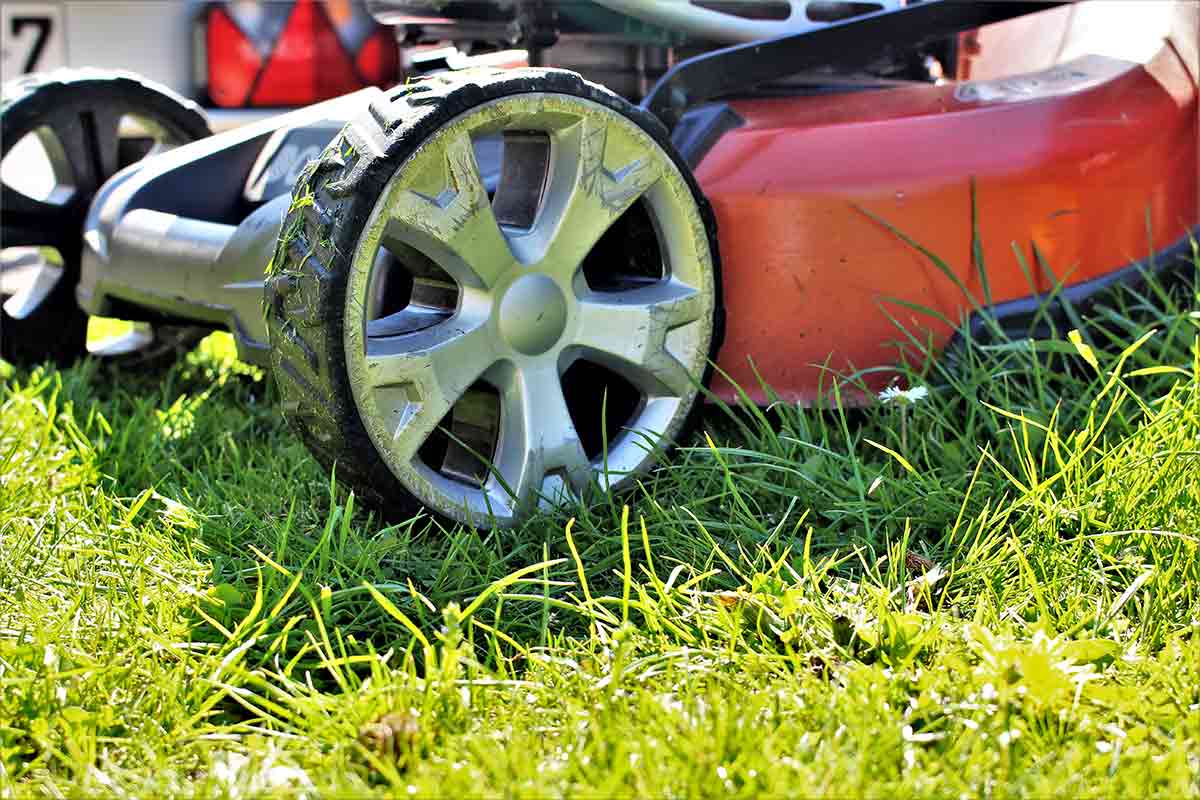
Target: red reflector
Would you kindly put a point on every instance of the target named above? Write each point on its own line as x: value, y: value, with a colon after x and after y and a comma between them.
x: 301, y: 56
x: 236, y: 60
x: 307, y: 63
x: 378, y: 59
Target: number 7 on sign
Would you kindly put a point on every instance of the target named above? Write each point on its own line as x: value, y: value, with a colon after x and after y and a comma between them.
x: 31, y: 38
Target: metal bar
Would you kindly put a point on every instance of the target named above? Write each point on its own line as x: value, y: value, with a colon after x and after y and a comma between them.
x: 850, y: 43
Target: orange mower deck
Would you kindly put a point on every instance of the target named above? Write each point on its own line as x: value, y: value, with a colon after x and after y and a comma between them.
x: 1081, y: 169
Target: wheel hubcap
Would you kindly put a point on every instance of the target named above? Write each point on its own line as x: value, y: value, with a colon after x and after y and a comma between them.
x: 564, y: 376
x: 532, y: 314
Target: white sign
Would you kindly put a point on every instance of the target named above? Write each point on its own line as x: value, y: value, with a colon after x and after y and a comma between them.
x: 32, y: 38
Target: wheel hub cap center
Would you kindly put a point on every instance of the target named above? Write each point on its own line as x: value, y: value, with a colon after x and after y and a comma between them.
x: 533, y: 314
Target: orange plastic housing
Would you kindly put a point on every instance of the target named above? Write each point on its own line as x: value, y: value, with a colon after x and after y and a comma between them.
x: 1094, y: 162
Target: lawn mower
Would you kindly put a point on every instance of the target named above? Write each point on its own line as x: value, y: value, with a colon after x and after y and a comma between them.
x: 491, y: 290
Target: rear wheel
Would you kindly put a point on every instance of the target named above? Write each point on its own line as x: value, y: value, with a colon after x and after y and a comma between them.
x: 63, y: 135
x: 485, y: 346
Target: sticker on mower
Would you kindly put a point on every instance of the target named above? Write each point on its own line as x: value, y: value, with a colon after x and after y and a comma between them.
x: 1073, y: 76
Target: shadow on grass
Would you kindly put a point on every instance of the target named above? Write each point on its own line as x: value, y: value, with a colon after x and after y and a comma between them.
x: 751, y: 487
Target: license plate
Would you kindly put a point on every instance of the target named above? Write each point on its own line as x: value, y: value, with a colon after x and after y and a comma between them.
x: 32, y: 38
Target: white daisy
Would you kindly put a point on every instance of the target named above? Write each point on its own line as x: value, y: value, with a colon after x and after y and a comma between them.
x: 893, y: 394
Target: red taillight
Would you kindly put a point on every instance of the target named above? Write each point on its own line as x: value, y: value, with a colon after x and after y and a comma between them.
x: 303, y: 60
x: 233, y: 61
x: 378, y: 59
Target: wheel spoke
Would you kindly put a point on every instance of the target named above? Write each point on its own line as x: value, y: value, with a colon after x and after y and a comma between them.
x: 441, y: 208
x: 28, y: 222
x: 627, y: 332
x: 537, y: 436
x: 154, y: 139
x: 28, y: 279
x: 418, y: 377
x: 90, y: 141
x: 76, y: 152
x: 60, y: 164
x: 600, y: 170
x: 408, y: 320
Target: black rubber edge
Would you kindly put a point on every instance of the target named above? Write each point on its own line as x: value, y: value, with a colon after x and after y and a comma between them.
x: 700, y: 128
x: 305, y: 291
x: 1016, y: 317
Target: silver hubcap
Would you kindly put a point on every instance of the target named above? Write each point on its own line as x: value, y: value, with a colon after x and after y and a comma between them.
x: 533, y: 314
x: 509, y: 348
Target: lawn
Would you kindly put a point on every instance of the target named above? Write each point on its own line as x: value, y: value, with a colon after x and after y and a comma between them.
x: 990, y: 590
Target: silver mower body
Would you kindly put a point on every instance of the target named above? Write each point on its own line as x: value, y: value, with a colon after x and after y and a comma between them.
x: 187, y: 235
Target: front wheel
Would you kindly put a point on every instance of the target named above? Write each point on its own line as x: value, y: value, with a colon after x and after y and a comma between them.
x: 492, y: 293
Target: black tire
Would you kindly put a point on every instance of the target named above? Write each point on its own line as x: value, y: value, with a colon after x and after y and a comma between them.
x: 56, y: 331
x: 307, y: 280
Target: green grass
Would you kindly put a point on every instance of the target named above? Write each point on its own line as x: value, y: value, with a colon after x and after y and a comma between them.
x: 991, y: 591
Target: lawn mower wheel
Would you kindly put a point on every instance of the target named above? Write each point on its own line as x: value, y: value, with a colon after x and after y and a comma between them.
x: 484, y: 352
x: 88, y: 125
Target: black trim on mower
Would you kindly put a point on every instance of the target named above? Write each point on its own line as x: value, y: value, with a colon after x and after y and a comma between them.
x: 853, y: 43
x: 700, y: 128
x: 1016, y: 318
